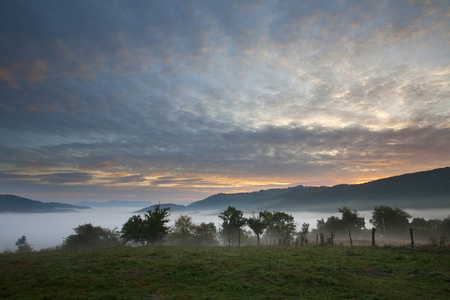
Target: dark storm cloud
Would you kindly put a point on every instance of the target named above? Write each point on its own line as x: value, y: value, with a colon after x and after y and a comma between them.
x: 149, y: 94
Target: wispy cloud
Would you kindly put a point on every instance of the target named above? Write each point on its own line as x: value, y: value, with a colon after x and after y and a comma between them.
x: 178, y: 99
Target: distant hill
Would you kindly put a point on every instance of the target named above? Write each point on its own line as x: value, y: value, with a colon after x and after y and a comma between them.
x: 427, y: 189
x: 173, y: 207
x: 116, y: 203
x: 16, y: 204
x: 262, y: 198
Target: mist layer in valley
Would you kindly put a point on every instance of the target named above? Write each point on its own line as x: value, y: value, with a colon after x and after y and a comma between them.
x: 48, y: 230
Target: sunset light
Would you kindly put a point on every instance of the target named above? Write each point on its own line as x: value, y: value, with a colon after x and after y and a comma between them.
x: 174, y: 100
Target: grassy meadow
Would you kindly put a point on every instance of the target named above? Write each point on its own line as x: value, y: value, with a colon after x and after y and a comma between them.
x: 268, y: 272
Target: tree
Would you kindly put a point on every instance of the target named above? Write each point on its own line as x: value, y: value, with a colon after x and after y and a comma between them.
x: 445, y: 227
x: 424, y: 230
x: 390, y: 220
x: 351, y: 221
x: 333, y: 224
x: 133, y: 230
x: 226, y: 231
x: 22, y: 245
x: 284, y: 225
x: 258, y: 223
x: 205, y: 234
x: 232, y: 220
x: 183, y: 230
x: 320, y: 225
x: 149, y: 230
x: 155, y: 228
x: 89, y: 236
x: 305, y: 231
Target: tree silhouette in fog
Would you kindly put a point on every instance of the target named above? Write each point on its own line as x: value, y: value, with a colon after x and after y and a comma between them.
x: 148, y: 230
x: 258, y: 223
x: 233, y: 220
x: 89, y: 236
x: 390, y: 220
x: 22, y: 245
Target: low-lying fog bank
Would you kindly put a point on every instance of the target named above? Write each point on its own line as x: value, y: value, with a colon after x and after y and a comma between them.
x: 49, y: 229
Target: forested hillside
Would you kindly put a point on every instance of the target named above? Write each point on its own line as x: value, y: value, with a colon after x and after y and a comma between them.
x: 428, y: 189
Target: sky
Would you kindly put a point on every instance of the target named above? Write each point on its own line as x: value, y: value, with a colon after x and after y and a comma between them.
x: 173, y: 101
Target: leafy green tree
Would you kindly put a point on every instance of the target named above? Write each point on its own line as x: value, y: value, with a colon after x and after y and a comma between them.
x: 205, y: 234
x: 22, y: 245
x: 333, y: 224
x: 284, y: 225
x: 89, y: 236
x: 134, y: 230
x: 183, y: 231
x: 258, y: 223
x: 149, y: 230
x: 351, y: 221
x: 233, y: 219
x: 155, y: 221
x: 390, y: 220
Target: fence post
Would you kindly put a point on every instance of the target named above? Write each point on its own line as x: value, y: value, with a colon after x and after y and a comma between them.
x: 373, y: 237
x: 351, y: 241
x: 317, y: 239
x: 412, y: 237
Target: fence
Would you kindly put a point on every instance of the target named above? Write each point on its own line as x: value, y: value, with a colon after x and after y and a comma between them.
x: 366, y: 238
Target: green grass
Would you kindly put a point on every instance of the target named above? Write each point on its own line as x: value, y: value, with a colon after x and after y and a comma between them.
x: 228, y: 273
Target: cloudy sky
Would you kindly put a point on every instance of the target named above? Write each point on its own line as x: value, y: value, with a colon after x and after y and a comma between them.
x: 177, y: 100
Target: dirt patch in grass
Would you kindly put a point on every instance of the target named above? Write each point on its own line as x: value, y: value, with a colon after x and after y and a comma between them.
x: 373, y: 272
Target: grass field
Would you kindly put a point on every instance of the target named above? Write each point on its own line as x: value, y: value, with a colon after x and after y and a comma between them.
x: 228, y: 273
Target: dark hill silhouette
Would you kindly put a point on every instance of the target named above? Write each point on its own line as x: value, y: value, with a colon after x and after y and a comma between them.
x: 115, y: 203
x: 173, y: 207
x: 16, y: 204
x: 260, y: 199
x: 427, y: 189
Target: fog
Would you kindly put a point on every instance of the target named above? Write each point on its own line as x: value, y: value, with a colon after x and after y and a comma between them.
x: 48, y: 230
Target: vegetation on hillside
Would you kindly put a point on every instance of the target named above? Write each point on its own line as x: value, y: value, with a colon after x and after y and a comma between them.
x: 416, y: 190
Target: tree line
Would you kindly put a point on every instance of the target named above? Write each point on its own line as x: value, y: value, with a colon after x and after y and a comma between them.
x: 235, y: 230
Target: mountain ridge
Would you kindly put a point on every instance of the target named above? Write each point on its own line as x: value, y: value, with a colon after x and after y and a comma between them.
x: 115, y: 203
x: 425, y: 189
x: 16, y: 204
x: 419, y: 190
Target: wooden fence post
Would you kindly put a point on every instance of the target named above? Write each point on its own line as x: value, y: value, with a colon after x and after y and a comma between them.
x: 412, y: 237
x: 317, y: 239
x: 373, y: 237
x: 351, y: 241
